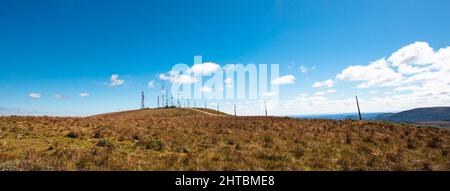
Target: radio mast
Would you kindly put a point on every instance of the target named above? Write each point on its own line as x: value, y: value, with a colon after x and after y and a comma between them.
x: 158, y: 101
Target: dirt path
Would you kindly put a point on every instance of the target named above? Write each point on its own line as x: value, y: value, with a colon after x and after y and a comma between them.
x: 205, y: 112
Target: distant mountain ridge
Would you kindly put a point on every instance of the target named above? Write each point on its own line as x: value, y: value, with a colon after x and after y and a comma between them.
x: 338, y: 116
x: 427, y: 114
x: 433, y: 116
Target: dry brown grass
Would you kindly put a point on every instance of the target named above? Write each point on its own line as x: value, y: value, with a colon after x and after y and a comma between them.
x: 179, y: 139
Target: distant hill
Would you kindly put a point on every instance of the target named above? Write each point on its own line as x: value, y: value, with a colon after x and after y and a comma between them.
x: 428, y: 114
x: 339, y: 116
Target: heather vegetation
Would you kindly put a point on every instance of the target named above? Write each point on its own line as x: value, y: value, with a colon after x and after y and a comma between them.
x: 183, y: 139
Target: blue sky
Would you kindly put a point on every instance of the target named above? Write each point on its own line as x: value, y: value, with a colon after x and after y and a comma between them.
x: 51, y: 52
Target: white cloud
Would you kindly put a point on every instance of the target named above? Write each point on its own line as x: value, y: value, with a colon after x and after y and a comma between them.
x: 269, y: 94
x: 331, y: 91
x: 377, y: 73
x: 84, y: 94
x: 413, y: 76
x: 327, y: 83
x: 151, y: 84
x: 418, y: 53
x: 287, y: 79
x: 115, y: 81
x: 206, y: 68
x: 59, y: 96
x: 320, y: 93
x: 17, y: 111
x: 303, y: 69
x: 407, y: 88
x: 180, y: 79
x: 229, y: 82
x: 206, y: 89
x: 34, y: 95
x: 415, y: 64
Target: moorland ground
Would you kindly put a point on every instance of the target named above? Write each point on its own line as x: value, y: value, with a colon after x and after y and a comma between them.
x: 184, y: 139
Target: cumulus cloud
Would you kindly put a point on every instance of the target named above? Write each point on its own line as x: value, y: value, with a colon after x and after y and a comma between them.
x: 407, y: 88
x: 327, y: 83
x: 115, y: 81
x: 206, y: 68
x: 413, y: 76
x: 84, y: 94
x: 331, y: 91
x: 191, y: 74
x: 417, y: 74
x: 34, y: 95
x: 287, y: 79
x: 377, y: 73
x: 416, y: 64
x: 418, y: 53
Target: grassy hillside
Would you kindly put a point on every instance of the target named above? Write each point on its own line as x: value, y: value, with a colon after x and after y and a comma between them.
x: 183, y: 139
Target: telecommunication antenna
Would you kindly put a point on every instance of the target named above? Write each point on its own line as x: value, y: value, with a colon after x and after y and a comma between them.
x: 142, y: 100
x: 359, y: 111
x: 167, y: 100
x: 163, y: 92
x: 178, y: 99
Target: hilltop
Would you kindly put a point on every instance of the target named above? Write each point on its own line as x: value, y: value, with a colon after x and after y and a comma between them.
x: 192, y: 139
x: 162, y: 112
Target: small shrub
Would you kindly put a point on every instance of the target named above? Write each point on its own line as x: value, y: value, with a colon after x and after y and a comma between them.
x: 444, y: 153
x: 97, y: 135
x: 230, y: 142
x: 298, y: 152
x: 10, y: 165
x: 182, y: 149
x: 153, y: 144
x: 104, y: 143
x: 435, y: 143
x: 348, y: 139
x: 273, y: 157
x: 72, y: 135
x: 268, y: 141
x: 368, y: 139
x: 412, y: 143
